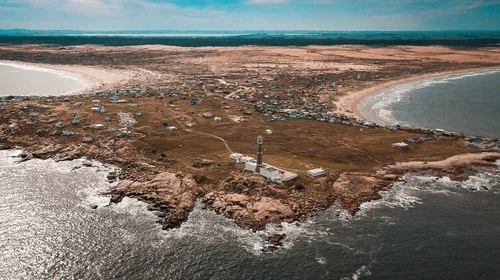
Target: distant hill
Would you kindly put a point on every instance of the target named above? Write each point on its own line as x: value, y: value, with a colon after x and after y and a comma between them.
x: 197, y: 38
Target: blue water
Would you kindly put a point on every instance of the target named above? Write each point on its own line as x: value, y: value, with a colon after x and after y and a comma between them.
x: 422, y: 228
x: 468, y: 103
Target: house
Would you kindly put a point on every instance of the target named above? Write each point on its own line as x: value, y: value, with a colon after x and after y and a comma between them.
x: 271, y: 173
x: 218, y: 119
x: 207, y: 115
x: 315, y: 172
x: 191, y: 125
x: 480, y: 143
x: 125, y: 132
x: 98, y: 126
x: 251, y: 165
x: 95, y: 109
x: 246, y: 159
x: 236, y: 156
x: 87, y: 139
x: 400, y: 145
x: 67, y: 133
x: 172, y: 128
x: 59, y: 125
x: 438, y: 132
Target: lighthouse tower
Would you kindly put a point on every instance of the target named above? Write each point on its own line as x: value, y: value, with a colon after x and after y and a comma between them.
x: 260, y: 141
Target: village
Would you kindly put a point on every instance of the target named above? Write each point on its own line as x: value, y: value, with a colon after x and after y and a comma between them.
x: 108, y: 116
x: 182, y: 127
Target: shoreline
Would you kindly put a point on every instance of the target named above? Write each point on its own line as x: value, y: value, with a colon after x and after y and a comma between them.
x: 91, y: 78
x: 348, y: 104
x: 172, y: 169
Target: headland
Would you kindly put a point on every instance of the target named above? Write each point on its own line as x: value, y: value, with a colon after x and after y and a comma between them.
x: 171, y: 117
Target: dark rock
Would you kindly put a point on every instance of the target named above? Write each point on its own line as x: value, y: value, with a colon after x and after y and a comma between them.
x: 198, y: 163
x: 116, y: 197
x: 276, y: 239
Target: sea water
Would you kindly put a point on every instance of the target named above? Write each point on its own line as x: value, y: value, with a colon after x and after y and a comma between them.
x: 19, y: 79
x: 468, y: 103
x: 423, y: 228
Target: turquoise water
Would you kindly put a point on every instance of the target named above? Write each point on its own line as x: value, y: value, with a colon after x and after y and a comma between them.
x: 16, y: 79
x: 468, y: 103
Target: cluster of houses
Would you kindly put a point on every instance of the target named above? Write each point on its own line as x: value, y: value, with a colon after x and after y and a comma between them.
x: 483, y: 143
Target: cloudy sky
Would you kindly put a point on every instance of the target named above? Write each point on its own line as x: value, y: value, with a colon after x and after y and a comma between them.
x: 251, y: 14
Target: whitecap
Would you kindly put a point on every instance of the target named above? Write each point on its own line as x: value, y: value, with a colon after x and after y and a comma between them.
x: 321, y: 260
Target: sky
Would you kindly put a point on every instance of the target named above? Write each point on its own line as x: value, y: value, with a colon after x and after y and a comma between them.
x: 334, y: 15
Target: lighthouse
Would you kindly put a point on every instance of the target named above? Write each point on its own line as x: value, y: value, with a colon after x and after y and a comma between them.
x: 260, y: 141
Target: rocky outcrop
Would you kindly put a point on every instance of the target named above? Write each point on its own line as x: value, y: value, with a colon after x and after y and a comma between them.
x: 201, y: 162
x: 354, y: 188
x: 171, y: 196
x: 249, y: 199
x: 275, y: 239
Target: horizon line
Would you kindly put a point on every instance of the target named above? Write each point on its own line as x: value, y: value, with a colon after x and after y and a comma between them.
x: 246, y: 30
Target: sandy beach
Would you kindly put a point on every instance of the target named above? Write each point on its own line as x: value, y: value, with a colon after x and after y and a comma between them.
x: 348, y: 104
x: 91, y: 78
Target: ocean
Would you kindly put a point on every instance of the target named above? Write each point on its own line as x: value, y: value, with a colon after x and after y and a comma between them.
x: 468, y: 103
x: 20, y: 79
x: 423, y: 228
x: 199, y: 38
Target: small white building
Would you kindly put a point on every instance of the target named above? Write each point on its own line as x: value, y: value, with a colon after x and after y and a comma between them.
x: 439, y: 132
x: 172, y: 128
x: 95, y: 109
x: 236, y: 157
x: 315, y: 172
x: 245, y: 159
x: 400, y: 145
x: 251, y: 165
x: 98, y: 126
x: 218, y: 119
x: 271, y: 173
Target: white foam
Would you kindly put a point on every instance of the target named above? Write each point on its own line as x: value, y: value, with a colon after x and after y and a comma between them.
x: 321, y: 260
x: 481, y: 182
x: 360, y: 272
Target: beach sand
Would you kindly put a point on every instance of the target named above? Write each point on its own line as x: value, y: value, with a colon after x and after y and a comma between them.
x: 348, y: 104
x: 93, y: 78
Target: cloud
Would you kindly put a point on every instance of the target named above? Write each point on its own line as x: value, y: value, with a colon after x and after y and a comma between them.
x: 266, y: 2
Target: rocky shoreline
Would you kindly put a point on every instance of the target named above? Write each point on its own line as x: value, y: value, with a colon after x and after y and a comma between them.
x: 155, y: 130
x: 250, y: 200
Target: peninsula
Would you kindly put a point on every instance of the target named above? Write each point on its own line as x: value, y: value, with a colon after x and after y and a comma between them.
x: 170, y: 117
